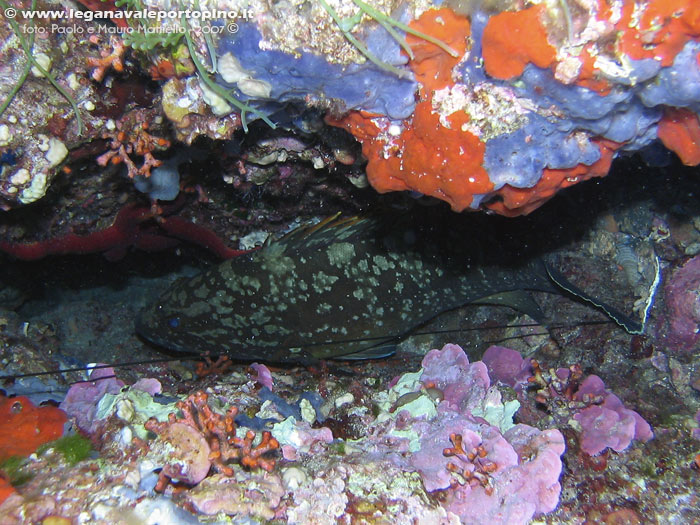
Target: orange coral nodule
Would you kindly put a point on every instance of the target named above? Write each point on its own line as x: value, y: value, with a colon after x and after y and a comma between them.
x: 679, y: 130
x: 511, y: 40
x: 521, y: 201
x: 457, y: 448
x: 24, y: 427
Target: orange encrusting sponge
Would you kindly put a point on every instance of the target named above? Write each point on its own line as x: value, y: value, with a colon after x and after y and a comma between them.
x: 6, y: 490
x: 588, y: 74
x: 426, y: 156
x: 521, y: 201
x: 443, y: 154
x: 432, y: 65
x: 512, y: 40
x: 24, y: 427
x: 660, y: 31
x: 679, y: 130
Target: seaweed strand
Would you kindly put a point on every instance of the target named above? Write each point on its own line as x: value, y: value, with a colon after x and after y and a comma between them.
x: 27, y: 47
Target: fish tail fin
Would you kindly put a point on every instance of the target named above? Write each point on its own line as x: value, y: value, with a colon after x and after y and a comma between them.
x: 629, y: 324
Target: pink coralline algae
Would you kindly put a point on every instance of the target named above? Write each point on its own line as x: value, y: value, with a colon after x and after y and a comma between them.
x: 254, y: 495
x: 463, y: 384
x: 188, y: 453
x: 263, y: 375
x: 603, y: 420
x: 507, y: 366
x: 523, y: 488
x: 305, y: 440
x: 682, y: 296
x: 82, y: 398
x: 491, y: 471
x: 608, y: 424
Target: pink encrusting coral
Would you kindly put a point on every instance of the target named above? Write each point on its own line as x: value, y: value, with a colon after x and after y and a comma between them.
x: 507, y: 366
x: 603, y: 421
x: 491, y: 471
x: 82, y: 399
x: 608, y: 424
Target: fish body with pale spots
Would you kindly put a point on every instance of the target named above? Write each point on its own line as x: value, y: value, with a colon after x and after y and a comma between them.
x: 329, y: 291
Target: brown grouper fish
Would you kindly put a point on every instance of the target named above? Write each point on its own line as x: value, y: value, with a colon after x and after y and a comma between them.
x: 336, y: 290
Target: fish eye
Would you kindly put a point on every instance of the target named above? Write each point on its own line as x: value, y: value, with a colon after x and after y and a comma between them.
x: 174, y: 322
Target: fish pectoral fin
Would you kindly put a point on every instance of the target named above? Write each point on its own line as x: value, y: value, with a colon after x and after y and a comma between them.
x: 517, y: 299
x: 632, y: 326
x: 373, y: 352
